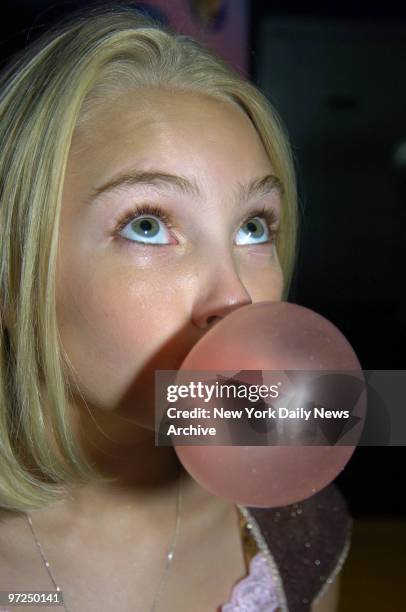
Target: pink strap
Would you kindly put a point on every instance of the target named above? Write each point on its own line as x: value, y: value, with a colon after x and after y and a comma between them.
x: 255, y: 592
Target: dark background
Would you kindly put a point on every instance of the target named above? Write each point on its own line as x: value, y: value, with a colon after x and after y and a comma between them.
x: 336, y: 73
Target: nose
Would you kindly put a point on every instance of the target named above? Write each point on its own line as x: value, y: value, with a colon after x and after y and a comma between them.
x: 225, y: 293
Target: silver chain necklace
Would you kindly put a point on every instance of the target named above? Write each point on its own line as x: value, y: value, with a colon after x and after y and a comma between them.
x: 169, y: 555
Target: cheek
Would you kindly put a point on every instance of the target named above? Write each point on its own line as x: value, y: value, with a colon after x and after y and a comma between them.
x: 111, y: 323
x: 262, y: 277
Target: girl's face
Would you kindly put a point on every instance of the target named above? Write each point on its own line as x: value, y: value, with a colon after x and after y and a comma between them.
x: 135, y: 295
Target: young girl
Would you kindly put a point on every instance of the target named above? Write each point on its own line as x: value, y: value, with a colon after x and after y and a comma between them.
x: 147, y: 190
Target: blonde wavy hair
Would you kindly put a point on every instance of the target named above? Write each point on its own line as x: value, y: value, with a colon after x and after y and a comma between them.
x: 46, y: 91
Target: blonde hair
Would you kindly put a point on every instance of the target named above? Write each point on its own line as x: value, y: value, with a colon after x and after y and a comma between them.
x: 49, y: 89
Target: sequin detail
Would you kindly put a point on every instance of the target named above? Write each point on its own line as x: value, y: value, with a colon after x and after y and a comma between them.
x: 256, y: 592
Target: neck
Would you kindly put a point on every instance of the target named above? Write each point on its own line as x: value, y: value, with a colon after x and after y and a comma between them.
x: 143, y: 478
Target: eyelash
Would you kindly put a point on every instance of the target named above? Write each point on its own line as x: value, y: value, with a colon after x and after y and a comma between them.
x: 268, y: 214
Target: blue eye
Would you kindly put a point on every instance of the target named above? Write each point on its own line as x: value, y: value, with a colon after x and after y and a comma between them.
x: 145, y: 229
x: 143, y: 225
x: 145, y: 221
x: 252, y: 229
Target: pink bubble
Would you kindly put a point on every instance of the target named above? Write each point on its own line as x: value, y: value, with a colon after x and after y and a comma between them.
x: 271, y: 336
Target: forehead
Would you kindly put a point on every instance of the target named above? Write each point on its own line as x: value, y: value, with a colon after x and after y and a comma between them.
x: 168, y: 123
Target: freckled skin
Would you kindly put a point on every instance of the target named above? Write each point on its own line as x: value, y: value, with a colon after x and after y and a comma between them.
x: 126, y: 309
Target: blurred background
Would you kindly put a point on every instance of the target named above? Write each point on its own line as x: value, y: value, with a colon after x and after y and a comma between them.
x: 335, y: 72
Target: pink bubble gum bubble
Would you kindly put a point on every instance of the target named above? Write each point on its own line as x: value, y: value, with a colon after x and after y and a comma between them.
x: 270, y: 336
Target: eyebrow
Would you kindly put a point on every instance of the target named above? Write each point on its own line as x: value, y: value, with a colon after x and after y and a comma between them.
x: 155, y: 178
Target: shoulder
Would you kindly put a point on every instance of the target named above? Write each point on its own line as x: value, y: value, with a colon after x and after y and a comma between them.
x: 11, y: 524
x: 15, y: 549
x: 309, y: 542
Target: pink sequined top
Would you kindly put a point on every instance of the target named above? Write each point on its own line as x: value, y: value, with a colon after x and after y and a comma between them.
x: 292, y: 553
x: 256, y: 592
